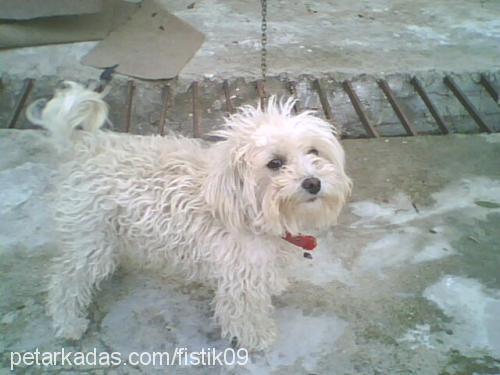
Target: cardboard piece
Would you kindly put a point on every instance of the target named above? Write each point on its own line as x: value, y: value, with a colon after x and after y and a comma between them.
x: 50, y: 30
x: 153, y: 44
x: 28, y: 9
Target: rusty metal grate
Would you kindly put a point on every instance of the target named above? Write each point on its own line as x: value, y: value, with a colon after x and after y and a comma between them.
x: 367, y: 128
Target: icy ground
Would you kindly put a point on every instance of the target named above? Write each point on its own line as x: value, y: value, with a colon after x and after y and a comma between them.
x: 408, y: 283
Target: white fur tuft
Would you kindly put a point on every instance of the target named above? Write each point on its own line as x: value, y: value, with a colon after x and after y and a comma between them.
x: 72, y: 106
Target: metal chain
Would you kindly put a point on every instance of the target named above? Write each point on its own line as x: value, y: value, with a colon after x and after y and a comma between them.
x: 263, y: 40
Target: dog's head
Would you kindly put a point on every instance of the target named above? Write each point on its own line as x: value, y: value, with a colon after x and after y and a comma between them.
x: 276, y: 172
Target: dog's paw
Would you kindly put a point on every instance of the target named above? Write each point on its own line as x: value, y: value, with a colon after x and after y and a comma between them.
x: 258, y: 338
x: 72, y: 330
x: 265, y: 339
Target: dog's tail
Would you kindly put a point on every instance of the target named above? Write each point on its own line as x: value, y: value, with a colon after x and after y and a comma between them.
x: 72, y: 106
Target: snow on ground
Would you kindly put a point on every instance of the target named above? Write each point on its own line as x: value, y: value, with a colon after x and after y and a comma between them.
x: 390, y: 288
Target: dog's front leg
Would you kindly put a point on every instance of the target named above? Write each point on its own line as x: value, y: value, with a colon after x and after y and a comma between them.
x: 243, y: 307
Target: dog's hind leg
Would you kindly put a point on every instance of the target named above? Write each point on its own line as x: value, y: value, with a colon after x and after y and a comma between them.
x: 89, y: 256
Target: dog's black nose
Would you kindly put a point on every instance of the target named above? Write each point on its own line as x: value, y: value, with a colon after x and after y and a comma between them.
x: 312, y: 185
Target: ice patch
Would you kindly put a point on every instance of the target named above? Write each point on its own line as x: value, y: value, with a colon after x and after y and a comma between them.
x: 23, y: 206
x: 325, y: 266
x: 372, y: 214
x: 458, y: 196
x: 408, y: 245
x: 407, y: 237
x: 250, y: 44
x: 159, y: 320
x: 490, y: 138
x: 474, y: 309
x: 427, y: 33
x: 351, y: 42
x: 370, y: 211
x: 20, y: 183
x: 388, y: 251
x: 436, y: 250
x: 301, y: 338
x: 420, y: 336
x: 465, y: 194
x: 490, y: 29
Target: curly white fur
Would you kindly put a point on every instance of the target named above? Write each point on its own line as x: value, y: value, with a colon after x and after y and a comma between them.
x: 216, y: 211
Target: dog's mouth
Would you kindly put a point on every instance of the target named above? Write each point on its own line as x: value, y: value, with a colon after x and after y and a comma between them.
x: 313, y: 199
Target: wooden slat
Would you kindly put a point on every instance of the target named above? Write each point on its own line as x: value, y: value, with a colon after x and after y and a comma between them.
x: 197, y: 128
x: 462, y: 98
x: 167, y: 99
x: 430, y: 105
x: 129, y: 106
x: 21, y: 102
x: 227, y: 94
x: 358, y: 107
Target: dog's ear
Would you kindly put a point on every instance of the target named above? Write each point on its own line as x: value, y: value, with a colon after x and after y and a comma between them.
x: 230, y: 187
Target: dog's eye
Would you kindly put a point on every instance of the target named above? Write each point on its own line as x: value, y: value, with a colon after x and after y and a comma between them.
x: 275, y: 163
x: 313, y: 151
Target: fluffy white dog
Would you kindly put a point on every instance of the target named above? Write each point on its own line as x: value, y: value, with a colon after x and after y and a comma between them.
x: 219, y: 211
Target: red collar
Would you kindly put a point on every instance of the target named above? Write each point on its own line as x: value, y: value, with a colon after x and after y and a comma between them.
x: 306, y: 242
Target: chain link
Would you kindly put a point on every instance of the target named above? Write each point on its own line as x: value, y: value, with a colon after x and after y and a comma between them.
x: 263, y: 56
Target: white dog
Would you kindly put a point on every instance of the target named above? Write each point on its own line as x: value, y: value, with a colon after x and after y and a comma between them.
x: 219, y: 212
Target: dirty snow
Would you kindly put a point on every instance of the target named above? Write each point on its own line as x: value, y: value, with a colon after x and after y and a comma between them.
x: 475, y: 311
x: 302, y: 338
x: 457, y: 196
